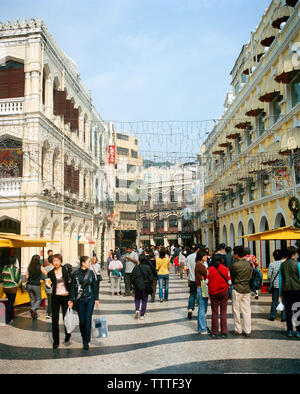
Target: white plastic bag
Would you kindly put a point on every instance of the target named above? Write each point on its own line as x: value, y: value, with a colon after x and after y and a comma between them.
x: 70, y: 320
x: 280, y: 307
x: 99, y: 328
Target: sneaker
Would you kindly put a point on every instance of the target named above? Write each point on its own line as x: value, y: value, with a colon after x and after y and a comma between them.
x: 85, y: 346
x: 203, y: 332
x: 271, y: 319
x: 224, y: 336
x: 247, y: 335
x: 142, y: 318
x: 161, y: 300
x: 214, y: 336
x: 190, y: 315
x: 297, y: 335
x: 290, y: 334
x: 48, y: 317
x: 137, y: 313
x: 236, y: 333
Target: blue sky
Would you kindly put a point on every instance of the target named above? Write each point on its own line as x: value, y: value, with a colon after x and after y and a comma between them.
x: 149, y: 59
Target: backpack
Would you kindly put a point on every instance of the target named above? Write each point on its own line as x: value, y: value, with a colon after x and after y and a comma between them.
x: 256, y: 279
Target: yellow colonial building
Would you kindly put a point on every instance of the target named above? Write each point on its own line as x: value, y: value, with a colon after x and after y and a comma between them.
x: 251, y: 156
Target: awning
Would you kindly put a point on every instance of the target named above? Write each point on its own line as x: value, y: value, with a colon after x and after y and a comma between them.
x: 284, y: 233
x: 8, y: 240
x: 85, y: 240
x: 269, y: 90
x: 255, y: 107
x: 281, y: 15
x: 268, y: 36
x: 219, y: 152
x: 291, y: 3
x: 290, y: 141
x: 232, y: 134
x: 242, y: 124
x: 289, y: 63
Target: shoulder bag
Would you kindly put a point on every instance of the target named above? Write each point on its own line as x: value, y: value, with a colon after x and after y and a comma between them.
x: 226, y: 280
x: 270, y: 287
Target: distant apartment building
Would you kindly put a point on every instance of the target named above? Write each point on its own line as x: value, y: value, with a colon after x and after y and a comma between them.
x: 128, y: 169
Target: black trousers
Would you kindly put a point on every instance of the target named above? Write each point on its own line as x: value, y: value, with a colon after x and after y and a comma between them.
x: 291, y: 298
x: 57, y: 302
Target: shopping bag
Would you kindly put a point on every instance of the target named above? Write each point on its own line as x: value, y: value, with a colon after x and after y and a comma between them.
x: 99, y: 328
x: 280, y: 307
x: 70, y: 321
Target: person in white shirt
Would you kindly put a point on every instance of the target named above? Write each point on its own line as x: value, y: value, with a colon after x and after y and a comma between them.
x: 190, y: 269
x: 182, y: 259
x: 131, y: 259
x: 115, y: 266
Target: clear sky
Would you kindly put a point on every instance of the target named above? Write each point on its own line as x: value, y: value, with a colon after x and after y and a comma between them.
x: 149, y: 59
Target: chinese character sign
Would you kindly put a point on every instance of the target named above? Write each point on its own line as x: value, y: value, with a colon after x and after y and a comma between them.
x: 112, y: 154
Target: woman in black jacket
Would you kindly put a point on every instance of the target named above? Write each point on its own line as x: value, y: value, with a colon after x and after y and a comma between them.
x: 142, y: 280
x: 84, y: 291
x: 60, y: 280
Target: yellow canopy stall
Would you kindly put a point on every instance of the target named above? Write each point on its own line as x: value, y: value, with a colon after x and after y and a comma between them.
x: 22, y: 241
x: 278, y: 234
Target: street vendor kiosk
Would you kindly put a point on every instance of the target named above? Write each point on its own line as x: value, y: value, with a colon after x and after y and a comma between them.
x: 14, y: 241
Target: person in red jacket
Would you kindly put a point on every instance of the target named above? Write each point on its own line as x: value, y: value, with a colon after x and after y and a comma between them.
x: 218, y: 280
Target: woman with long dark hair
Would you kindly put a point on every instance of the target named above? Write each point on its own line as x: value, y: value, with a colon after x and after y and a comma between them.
x: 60, y: 279
x: 11, y: 281
x: 34, y: 275
x: 84, y: 291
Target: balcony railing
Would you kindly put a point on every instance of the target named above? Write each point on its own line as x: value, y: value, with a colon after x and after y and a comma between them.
x: 10, y: 187
x: 12, y: 106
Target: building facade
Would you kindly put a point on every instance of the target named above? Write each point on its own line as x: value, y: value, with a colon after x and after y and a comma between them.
x: 167, y: 209
x: 249, y: 170
x: 128, y: 170
x: 52, y: 143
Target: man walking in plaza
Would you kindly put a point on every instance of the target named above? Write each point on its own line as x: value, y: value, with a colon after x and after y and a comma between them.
x: 131, y: 259
x: 241, y: 272
x: 190, y: 268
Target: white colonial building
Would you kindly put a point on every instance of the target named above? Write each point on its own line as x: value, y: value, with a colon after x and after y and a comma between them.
x: 53, y: 143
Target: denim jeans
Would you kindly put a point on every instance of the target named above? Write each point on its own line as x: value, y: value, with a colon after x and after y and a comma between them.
x: 85, y: 312
x: 193, y: 295
x: 202, y: 310
x: 275, y: 301
x: 161, y: 279
x: 10, y: 307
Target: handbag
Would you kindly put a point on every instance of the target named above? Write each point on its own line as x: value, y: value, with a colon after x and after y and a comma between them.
x: 98, y: 277
x: 270, y: 287
x: 99, y: 328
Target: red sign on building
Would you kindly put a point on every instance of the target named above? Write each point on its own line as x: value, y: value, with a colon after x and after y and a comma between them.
x: 112, y: 154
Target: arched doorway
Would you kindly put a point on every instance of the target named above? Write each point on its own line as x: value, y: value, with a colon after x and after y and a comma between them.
x: 224, y: 235
x: 240, y: 233
x: 251, y: 230
x: 231, y: 236
x: 265, y: 245
x: 280, y: 222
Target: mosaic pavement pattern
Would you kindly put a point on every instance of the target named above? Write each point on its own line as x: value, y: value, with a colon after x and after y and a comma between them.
x: 166, y: 342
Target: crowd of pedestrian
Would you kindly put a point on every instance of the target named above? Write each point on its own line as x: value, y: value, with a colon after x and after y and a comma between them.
x: 218, y: 277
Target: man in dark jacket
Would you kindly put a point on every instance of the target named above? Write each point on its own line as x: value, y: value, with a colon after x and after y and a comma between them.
x: 289, y: 288
x: 142, y: 279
